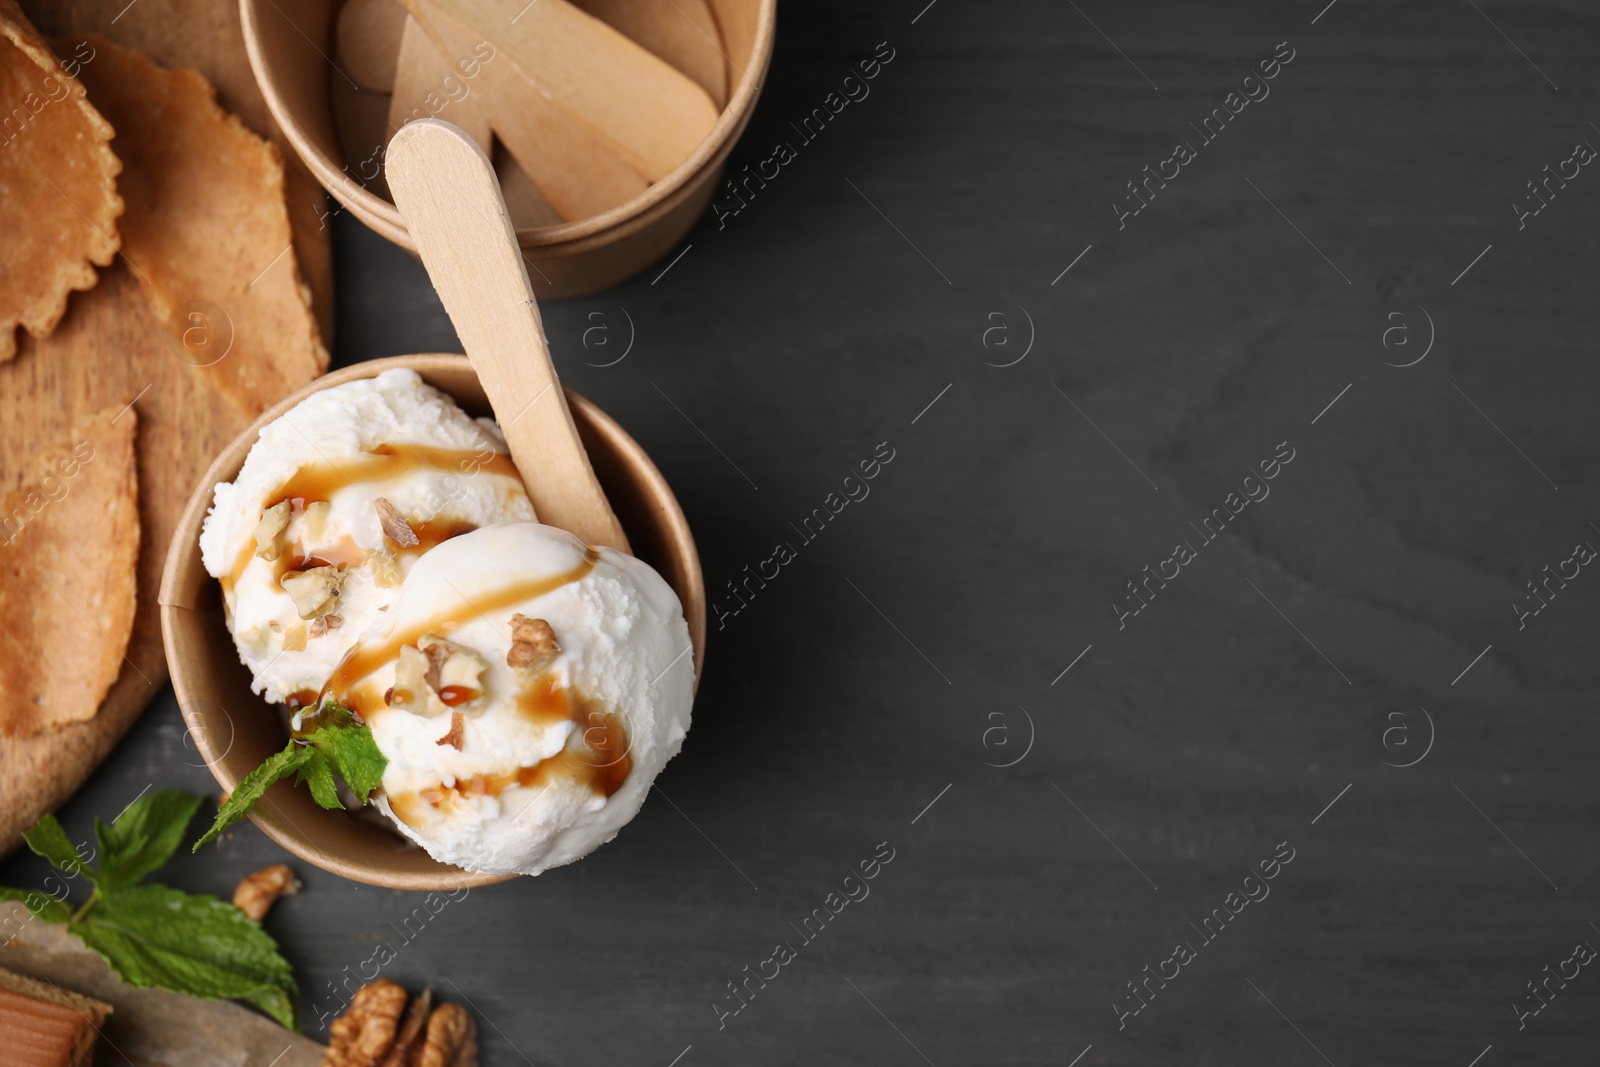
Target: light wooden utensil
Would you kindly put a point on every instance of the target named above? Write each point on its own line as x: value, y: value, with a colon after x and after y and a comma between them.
x: 368, y: 35
x: 429, y: 84
x: 289, y: 45
x: 577, y: 173
x: 524, y: 202
x: 682, y: 32
x: 447, y: 192
x: 649, y: 113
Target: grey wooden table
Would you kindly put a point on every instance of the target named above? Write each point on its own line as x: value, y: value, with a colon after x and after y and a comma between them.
x: 1072, y: 658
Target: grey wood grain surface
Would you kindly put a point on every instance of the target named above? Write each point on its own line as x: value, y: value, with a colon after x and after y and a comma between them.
x: 950, y: 270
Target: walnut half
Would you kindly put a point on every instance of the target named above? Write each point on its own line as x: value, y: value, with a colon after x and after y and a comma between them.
x: 377, y: 1030
x: 452, y: 1039
x: 256, y: 893
x: 366, y: 1030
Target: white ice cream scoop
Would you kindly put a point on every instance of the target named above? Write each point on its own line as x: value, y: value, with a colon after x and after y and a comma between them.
x: 526, y: 690
x: 299, y: 539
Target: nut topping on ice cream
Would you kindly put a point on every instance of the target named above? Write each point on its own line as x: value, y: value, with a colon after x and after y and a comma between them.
x: 395, y: 527
x: 533, y: 644
x: 435, y: 675
x: 315, y: 591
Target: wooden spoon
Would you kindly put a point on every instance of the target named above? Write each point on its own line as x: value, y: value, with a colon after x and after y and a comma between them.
x: 577, y: 173
x: 447, y: 193
x: 429, y: 84
x: 652, y: 115
x: 526, y: 205
x: 682, y: 32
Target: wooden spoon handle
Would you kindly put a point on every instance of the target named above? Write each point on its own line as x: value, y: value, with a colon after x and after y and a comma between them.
x: 447, y: 192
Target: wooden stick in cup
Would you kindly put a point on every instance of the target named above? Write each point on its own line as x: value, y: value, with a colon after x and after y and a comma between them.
x: 447, y: 193
x: 650, y: 114
x: 682, y: 32
x: 428, y: 84
x: 577, y: 173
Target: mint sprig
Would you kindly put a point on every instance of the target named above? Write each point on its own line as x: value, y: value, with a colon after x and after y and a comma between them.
x: 340, y: 744
x: 153, y: 935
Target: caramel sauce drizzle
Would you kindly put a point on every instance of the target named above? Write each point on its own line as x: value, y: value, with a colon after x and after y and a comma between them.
x: 603, y: 761
x: 363, y: 660
x: 603, y: 767
x: 316, y: 482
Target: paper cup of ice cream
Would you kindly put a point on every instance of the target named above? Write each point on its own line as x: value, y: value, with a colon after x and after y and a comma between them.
x: 365, y: 555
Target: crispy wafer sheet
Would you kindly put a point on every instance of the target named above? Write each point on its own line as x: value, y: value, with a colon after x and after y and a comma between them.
x: 205, y: 228
x: 58, y: 196
x: 67, y: 589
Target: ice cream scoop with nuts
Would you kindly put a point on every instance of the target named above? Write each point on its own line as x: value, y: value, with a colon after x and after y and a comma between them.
x: 504, y: 693
x: 336, y: 500
x: 526, y: 690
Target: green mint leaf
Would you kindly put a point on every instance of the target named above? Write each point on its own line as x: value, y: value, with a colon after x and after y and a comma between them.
x: 151, y: 935
x: 350, y: 748
x: 255, y: 785
x: 277, y: 1002
x: 317, y: 772
x: 48, y: 839
x: 143, y: 837
x: 43, y: 906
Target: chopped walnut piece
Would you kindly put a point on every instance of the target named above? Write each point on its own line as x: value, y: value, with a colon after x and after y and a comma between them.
x: 452, y: 1039
x: 323, y: 623
x: 367, y: 1029
x: 295, y: 639
x: 410, y: 690
x: 313, y: 522
x: 435, y: 676
x: 385, y: 568
x: 315, y: 591
x: 533, y: 644
x: 273, y: 522
x: 457, y: 734
x: 255, y: 894
x: 436, y: 650
x: 395, y: 527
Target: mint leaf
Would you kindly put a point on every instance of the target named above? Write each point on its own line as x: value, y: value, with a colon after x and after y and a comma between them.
x: 151, y: 935
x: 354, y: 754
x: 43, y: 907
x: 340, y: 744
x: 255, y: 785
x: 48, y: 839
x: 143, y: 837
x: 277, y: 1002
x: 317, y: 772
